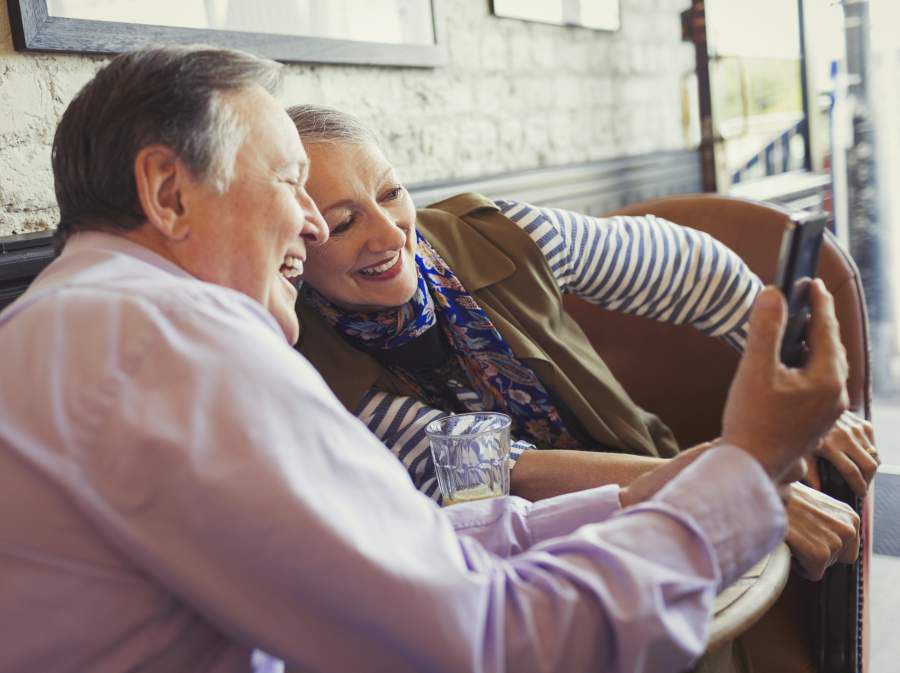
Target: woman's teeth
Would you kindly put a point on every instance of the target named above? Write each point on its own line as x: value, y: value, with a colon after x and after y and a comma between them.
x: 292, y: 267
x: 381, y: 268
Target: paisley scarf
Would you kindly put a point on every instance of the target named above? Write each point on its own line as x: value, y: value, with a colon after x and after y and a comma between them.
x: 503, y: 383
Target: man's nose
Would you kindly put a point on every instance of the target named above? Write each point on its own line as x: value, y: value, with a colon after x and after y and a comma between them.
x: 315, y: 230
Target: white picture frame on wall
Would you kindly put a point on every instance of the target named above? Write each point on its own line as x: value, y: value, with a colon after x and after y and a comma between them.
x: 594, y: 14
x: 381, y: 32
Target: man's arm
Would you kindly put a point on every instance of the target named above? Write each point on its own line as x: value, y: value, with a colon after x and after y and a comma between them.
x: 241, y: 485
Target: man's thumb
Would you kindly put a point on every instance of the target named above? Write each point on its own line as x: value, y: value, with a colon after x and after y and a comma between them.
x: 767, y: 321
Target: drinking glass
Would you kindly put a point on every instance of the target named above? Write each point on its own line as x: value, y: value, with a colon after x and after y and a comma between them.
x: 471, y: 454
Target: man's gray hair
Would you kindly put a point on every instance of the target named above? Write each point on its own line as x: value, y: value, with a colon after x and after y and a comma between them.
x: 172, y: 96
x: 318, y: 124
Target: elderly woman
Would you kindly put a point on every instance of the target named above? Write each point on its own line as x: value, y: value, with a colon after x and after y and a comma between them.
x: 457, y: 307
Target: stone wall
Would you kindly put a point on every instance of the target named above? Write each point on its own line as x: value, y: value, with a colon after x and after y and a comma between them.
x: 515, y: 95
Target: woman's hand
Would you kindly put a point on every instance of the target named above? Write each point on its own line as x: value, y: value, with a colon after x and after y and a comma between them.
x: 821, y: 531
x: 850, y: 447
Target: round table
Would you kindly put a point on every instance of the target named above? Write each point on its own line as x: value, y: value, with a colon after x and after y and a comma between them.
x: 740, y: 606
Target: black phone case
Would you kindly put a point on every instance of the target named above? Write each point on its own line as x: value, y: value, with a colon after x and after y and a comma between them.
x: 797, y: 259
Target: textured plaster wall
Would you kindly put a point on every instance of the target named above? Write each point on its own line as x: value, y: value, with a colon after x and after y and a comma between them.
x: 515, y: 95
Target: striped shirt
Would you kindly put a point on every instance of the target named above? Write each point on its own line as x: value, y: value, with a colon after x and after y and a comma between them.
x: 644, y: 266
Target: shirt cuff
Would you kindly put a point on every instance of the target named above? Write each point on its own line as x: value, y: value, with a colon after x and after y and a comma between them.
x: 566, y: 513
x: 728, y: 497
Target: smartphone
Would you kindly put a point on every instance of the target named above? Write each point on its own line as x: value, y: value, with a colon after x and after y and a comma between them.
x: 797, y: 261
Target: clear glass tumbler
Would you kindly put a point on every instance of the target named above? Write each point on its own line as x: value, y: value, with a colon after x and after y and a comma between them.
x: 471, y: 453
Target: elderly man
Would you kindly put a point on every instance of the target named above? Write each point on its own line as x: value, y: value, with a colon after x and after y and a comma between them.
x: 179, y: 487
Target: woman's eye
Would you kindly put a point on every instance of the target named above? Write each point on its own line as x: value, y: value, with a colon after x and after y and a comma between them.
x: 342, y: 226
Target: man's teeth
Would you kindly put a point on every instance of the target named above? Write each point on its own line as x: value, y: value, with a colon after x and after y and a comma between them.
x: 381, y: 268
x: 292, y: 267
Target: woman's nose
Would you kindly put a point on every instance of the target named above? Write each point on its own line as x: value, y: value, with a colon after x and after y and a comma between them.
x: 386, y: 232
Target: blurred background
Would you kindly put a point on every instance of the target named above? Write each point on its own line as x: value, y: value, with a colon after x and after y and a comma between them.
x: 804, y: 108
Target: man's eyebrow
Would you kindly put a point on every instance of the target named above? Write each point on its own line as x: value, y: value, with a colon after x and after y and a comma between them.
x: 390, y: 169
x: 301, y: 166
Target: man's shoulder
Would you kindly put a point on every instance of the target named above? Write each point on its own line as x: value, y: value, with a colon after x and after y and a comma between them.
x: 109, y: 291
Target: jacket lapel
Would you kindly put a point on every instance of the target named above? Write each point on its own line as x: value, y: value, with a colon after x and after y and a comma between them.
x: 478, y: 263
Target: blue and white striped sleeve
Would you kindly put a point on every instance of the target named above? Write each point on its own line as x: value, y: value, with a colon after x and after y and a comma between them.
x: 645, y: 266
x: 399, y: 422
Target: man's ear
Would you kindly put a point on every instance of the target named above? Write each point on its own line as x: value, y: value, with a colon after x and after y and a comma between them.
x: 161, y: 177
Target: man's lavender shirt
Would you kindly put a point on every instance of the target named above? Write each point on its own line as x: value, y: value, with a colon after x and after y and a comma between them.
x: 178, y: 487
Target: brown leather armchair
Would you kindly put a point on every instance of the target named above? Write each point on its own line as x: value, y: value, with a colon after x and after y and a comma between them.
x: 683, y: 377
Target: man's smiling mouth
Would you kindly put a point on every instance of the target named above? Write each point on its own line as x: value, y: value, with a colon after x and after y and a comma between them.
x: 291, y: 270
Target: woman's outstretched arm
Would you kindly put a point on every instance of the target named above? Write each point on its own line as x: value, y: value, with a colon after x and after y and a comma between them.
x: 644, y: 266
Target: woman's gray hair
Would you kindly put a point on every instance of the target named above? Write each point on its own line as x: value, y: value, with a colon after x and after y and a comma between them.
x: 318, y: 124
x: 172, y: 96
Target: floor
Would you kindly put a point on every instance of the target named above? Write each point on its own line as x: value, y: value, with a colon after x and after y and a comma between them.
x: 884, y: 577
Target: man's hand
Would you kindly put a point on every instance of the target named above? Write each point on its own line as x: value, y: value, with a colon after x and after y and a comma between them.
x: 776, y: 413
x: 821, y: 531
x: 850, y: 447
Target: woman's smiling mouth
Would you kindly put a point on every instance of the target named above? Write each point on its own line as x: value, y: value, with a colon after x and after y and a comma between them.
x: 383, y: 270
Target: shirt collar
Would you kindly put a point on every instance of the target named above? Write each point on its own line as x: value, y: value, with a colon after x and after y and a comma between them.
x: 115, y: 243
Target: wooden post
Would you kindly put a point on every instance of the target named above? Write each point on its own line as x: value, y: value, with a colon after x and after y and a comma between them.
x: 693, y: 29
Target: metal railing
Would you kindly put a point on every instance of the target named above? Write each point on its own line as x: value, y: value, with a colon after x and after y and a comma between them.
x: 776, y: 156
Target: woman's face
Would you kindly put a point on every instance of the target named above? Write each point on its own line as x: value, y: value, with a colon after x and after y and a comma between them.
x: 369, y: 260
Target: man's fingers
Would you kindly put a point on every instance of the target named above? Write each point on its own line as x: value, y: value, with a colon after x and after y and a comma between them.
x: 823, y: 334
x: 767, y: 321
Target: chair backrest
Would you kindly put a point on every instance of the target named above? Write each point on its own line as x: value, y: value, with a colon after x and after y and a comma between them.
x: 682, y: 375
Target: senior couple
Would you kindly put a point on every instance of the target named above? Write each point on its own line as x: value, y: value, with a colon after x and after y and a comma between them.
x: 178, y: 487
